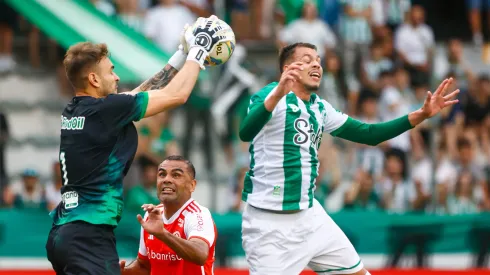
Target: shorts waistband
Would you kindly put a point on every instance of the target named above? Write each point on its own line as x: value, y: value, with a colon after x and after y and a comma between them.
x: 277, y: 211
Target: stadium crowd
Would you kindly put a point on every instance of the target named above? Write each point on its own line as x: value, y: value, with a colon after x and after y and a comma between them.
x: 379, y: 62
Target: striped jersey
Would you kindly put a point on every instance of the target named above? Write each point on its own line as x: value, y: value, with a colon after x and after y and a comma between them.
x: 190, y: 221
x: 284, y: 154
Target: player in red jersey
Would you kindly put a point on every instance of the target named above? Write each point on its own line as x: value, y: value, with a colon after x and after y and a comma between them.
x: 179, y: 235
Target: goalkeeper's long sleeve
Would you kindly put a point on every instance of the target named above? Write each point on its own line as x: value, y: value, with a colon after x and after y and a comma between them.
x: 255, y: 120
x: 372, y: 134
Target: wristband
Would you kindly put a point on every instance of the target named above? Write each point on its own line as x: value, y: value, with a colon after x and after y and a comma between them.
x: 178, y: 59
x: 198, y: 54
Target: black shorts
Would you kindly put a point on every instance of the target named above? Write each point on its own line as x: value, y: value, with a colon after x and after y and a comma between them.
x: 81, y: 248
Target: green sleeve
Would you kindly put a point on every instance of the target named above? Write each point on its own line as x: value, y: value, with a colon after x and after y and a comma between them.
x: 257, y: 115
x: 255, y: 120
x: 372, y: 134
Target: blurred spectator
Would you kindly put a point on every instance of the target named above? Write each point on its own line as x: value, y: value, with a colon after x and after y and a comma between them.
x: 146, y: 191
x: 132, y: 12
x: 53, y: 187
x: 393, y: 104
x: 309, y: 28
x: 164, y: 24
x: 26, y: 193
x: 398, y: 192
x: 370, y: 158
x: 237, y: 182
x: 414, y: 42
x: 356, y: 33
x: 334, y: 86
x: 156, y: 140
x: 395, y: 12
x: 477, y: 108
x: 361, y: 194
x: 4, y: 136
x: 463, y: 201
x: 7, y: 21
x: 104, y: 6
x: 466, y: 161
x: 455, y: 63
x: 421, y: 169
x: 330, y: 12
x: 201, y: 8
x: 373, y: 66
x: 475, y: 8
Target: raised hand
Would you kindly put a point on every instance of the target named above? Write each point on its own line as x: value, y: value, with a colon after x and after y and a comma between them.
x: 154, y: 222
x: 434, y: 103
x: 289, y: 77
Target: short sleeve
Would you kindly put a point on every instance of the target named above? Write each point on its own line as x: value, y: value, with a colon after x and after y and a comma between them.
x: 142, y: 253
x: 200, y: 225
x: 334, y: 119
x: 121, y: 109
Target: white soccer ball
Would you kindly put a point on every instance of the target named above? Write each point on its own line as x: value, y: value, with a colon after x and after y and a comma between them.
x: 222, y: 51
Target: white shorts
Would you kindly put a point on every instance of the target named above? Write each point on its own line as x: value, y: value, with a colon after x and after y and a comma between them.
x: 284, y: 244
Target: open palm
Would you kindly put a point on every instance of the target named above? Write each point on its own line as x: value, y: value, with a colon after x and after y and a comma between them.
x: 434, y: 103
x: 154, y: 222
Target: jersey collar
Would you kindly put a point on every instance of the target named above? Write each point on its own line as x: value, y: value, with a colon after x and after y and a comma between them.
x: 176, y: 214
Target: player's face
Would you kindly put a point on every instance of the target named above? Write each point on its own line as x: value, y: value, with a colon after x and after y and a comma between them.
x: 174, y: 182
x: 109, y: 78
x: 312, y: 74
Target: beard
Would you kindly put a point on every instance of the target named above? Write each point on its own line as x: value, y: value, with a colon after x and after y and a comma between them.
x: 311, y: 88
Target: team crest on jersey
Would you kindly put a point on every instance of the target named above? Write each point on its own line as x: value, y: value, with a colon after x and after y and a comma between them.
x: 177, y: 233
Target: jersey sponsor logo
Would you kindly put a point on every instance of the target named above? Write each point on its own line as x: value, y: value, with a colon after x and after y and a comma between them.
x: 150, y: 237
x: 306, y: 132
x: 180, y: 222
x: 200, y: 222
x: 163, y: 256
x: 74, y: 123
x: 70, y: 199
x: 177, y: 234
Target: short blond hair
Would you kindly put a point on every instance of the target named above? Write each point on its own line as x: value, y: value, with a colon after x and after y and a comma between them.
x: 80, y: 58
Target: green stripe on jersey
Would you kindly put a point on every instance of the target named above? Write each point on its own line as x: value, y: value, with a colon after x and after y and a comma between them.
x: 313, y: 151
x: 292, y: 157
x: 247, y: 183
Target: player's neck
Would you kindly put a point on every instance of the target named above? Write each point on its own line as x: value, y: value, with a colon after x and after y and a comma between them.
x: 169, y: 209
x: 87, y: 92
x: 302, y: 93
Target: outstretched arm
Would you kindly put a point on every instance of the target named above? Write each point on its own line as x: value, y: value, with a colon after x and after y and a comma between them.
x: 373, y: 134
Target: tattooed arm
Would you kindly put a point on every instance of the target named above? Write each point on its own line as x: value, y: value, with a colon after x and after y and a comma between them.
x: 158, y: 81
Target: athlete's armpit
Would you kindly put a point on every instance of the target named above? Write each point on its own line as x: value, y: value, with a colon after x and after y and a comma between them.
x: 159, y: 80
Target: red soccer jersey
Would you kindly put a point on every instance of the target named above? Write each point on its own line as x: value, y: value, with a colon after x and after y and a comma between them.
x: 191, y: 221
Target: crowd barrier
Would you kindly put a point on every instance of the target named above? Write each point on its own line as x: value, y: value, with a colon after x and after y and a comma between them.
x: 23, y: 233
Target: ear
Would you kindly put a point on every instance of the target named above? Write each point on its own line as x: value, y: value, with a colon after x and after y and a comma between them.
x: 193, y: 185
x: 94, y: 80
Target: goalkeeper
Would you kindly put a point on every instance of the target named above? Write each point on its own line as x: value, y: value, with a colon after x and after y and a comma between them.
x: 99, y: 141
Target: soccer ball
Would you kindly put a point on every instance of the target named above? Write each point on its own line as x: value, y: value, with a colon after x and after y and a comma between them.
x: 222, y: 51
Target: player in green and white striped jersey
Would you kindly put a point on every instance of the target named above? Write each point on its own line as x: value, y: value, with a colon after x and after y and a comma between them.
x: 284, y: 228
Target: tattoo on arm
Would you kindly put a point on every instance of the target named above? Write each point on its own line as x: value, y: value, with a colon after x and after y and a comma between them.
x: 160, y: 79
